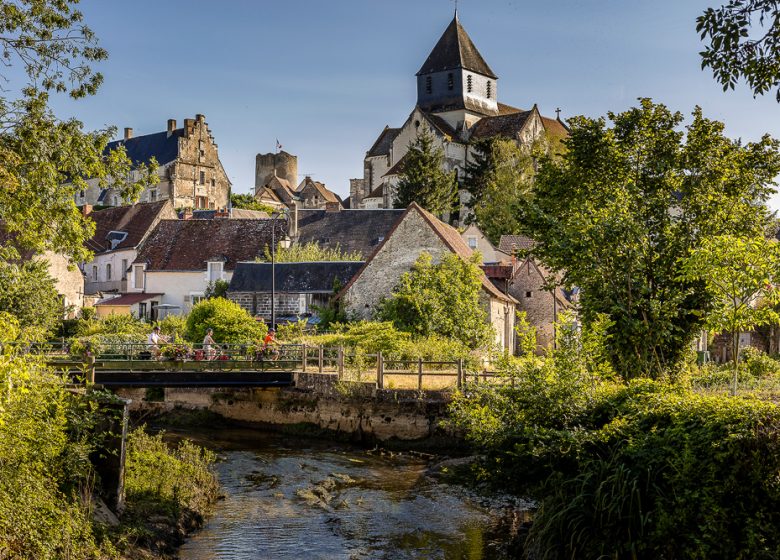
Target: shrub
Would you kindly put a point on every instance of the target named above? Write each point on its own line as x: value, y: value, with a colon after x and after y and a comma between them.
x: 173, y: 325
x: 111, y: 325
x: 231, y: 322
x: 759, y: 364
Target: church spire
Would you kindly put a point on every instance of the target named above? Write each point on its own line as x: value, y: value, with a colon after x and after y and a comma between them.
x: 455, y: 50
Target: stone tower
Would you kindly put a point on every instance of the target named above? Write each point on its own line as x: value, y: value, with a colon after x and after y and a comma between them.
x: 281, y: 164
x: 455, y: 81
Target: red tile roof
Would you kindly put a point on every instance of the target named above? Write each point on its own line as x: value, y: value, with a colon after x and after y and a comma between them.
x: 135, y: 220
x: 128, y: 299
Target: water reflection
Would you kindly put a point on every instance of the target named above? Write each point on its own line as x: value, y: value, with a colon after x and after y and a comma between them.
x: 288, y: 499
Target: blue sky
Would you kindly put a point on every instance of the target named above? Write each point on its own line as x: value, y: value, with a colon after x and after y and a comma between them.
x: 326, y: 77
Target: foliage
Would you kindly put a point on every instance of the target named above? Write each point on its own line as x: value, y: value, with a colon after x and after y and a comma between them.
x: 500, y: 175
x: 744, y: 42
x: 334, y: 311
x: 173, y: 325
x: 45, y: 161
x: 291, y: 331
x: 638, y: 470
x: 423, y: 179
x: 113, y: 324
x: 741, y: 275
x: 312, y: 252
x: 759, y: 364
x: 624, y: 205
x: 249, y: 202
x: 526, y: 334
x: 231, y: 322
x: 29, y: 293
x: 217, y: 289
x: 440, y: 299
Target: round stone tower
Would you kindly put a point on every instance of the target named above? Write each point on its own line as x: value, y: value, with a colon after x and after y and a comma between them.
x: 281, y: 164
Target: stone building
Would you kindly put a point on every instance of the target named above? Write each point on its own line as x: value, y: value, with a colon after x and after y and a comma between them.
x: 301, y: 287
x: 190, y: 172
x: 418, y: 231
x: 457, y: 102
x: 276, y: 177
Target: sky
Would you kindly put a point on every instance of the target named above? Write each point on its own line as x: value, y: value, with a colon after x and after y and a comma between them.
x: 325, y: 77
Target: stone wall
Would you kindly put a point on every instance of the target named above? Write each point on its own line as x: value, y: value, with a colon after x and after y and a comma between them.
x: 541, y: 308
x: 260, y: 304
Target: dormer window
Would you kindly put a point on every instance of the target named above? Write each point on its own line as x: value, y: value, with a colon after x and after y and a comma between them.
x: 469, y: 83
x: 489, y: 89
x: 450, y: 81
x: 115, y: 238
x: 428, y: 84
x: 215, y: 270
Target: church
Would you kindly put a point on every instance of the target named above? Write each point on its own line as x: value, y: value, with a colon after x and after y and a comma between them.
x: 457, y: 103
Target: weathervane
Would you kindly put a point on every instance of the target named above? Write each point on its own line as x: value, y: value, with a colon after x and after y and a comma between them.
x: 456, y: 6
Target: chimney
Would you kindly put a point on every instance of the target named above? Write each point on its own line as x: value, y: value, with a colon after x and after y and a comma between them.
x: 332, y: 207
x: 189, y: 124
x: 171, y: 126
x: 200, y: 118
x: 128, y: 133
x: 86, y: 210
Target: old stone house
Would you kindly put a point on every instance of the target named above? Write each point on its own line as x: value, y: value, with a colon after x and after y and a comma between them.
x: 190, y: 172
x: 314, y: 194
x: 301, y: 287
x: 418, y: 231
x: 457, y: 103
x: 180, y: 258
x: 118, y: 233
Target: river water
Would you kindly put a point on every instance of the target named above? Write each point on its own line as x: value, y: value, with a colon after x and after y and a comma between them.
x: 307, y: 499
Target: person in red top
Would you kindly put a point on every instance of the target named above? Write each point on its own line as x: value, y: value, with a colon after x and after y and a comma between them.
x: 268, y: 344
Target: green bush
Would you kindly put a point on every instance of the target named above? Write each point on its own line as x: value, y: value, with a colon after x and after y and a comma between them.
x: 759, y: 364
x: 173, y: 325
x: 112, y: 325
x: 231, y: 322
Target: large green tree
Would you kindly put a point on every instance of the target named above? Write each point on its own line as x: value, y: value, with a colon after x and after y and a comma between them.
x: 500, y: 175
x: 29, y: 293
x: 626, y: 203
x: 423, y: 179
x: 742, y: 275
x: 441, y: 299
x: 743, y: 43
x: 45, y: 161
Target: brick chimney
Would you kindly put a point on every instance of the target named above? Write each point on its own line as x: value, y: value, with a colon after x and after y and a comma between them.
x: 128, y: 133
x: 86, y: 210
x: 171, y: 126
x: 189, y: 124
x: 332, y: 207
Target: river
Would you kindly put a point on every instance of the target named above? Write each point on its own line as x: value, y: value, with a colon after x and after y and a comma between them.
x: 291, y: 498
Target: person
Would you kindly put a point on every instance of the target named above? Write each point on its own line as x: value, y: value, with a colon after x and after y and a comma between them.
x: 209, y: 351
x: 153, y: 342
x: 268, y: 344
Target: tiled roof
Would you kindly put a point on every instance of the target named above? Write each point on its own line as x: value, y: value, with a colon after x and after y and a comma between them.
x: 441, y: 125
x: 127, y: 299
x: 504, y: 109
x: 351, y: 230
x: 385, y: 141
x: 135, y: 220
x: 187, y: 245
x: 162, y: 146
x: 293, y: 278
x: 507, y: 125
x: 510, y: 244
x: 236, y: 213
x: 555, y: 127
x: 455, y: 50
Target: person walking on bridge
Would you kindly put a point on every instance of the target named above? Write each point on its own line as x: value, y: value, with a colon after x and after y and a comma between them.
x: 209, y: 352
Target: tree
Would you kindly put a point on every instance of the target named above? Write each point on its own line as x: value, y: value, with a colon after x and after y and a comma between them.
x: 29, y: 294
x: 312, y: 252
x: 230, y: 321
x: 44, y: 161
x: 500, y: 175
x: 249, y: 202
x: 423, y: 179
x: 217, y: 289
x: 624, y: 205
x: 742, y: 276
x: 440, y: 299
x: 744, y: 42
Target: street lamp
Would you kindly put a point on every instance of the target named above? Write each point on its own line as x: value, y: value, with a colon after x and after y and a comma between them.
x: 284, y: 242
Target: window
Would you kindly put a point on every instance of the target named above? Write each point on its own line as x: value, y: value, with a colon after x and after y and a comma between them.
x: 528, y: 294
x: 138, y: 276
x: 94, y: 274
x: 152, y: 195
x: 489, y: 89
x: 213, y: 182
x: 124, y: 269
x: 428, y: 84
x: 142, y: 310
x: 469, y: 83
x: 202, y: 177
x: 472, y: 242
x: 108, y: 271
x: 215, y: 271
x: 450, y: 81
x: 197, y: 297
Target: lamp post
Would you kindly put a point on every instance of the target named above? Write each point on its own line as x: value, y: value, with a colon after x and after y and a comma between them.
x: 284, y: 242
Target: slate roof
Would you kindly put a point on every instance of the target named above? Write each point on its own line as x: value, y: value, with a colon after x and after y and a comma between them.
x: 293, y: 278
x: 160, y: 145
x: 398, y: 167
x: 351, y: 230
x: 507, y: 125
x: 135, y: 220
x: 455, y: 50
x: 385, y: 141
x: 236, y: 213
x: 187, y: 245
x: 509, y: 244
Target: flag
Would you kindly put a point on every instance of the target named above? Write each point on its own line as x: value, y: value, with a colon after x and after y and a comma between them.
x: 278, y: 145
